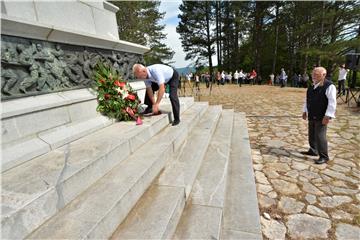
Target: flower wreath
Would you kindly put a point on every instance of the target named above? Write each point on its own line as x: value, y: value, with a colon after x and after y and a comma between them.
x: 116, y: 98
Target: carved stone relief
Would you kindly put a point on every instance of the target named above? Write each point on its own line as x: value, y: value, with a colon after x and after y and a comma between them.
x: 32, y: 67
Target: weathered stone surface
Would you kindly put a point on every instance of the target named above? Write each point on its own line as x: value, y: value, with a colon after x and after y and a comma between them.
x: 264, y: 188
x: 341, y: 215
x: 310, y: 198
x: 309, y: 174
x: 270, y: 173
x: 334, y: 201
x: 316, y: 211
x: 258, y: 166
x: 290, y: 205
x: 272, y: 194
x: 293, y: 174
x: 279, y: 167
x: 265, y: 201
x: 347, y: 232
x: 340, y: 190
x: 269, y: 158
x: 304, y: 226
x: 340, y: 168
x: 340, y: 176
x: 309, y: 188
x: 261, y: 178
x: 275, y: 143
x: 285, y: 187
x: 339, y: 183
x: 273, y: 229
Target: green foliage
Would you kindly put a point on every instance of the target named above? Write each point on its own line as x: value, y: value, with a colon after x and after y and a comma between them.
x: 308, y: 33
x: 195, y: 33
x: 114, y: 95
x: 138, y: 22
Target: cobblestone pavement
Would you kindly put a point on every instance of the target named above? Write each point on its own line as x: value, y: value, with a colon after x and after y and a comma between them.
x: 298, y: 199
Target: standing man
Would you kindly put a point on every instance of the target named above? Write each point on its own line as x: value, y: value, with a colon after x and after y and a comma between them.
x: 319, y: 109
x: 341, y: 80
x: 283, y: 78
x: 155, y: 77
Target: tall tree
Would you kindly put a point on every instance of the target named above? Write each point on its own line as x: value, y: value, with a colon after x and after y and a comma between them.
x: 139, y: 22
x: 195, y: 32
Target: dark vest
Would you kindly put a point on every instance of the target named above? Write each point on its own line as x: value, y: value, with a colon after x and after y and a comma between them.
x: 316, y: 101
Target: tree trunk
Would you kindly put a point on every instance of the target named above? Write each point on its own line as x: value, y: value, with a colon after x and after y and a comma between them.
x: 276, y: 39
x: 208, y: 33
x: 218, y: 34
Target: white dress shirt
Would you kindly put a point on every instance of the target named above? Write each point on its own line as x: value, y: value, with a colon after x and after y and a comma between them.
x: 158, y: 73
x: 342, y: 74
x: 331, y: 95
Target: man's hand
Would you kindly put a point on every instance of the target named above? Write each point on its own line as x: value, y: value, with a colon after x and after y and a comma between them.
x: 326, y: 120
x: 304, y: 115
x: 155, y: 108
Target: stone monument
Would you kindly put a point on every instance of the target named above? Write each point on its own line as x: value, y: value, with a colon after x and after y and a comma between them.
x: 48, y: 53
x: 53, y: 46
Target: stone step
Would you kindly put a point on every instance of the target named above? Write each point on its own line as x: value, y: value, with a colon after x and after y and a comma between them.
x: 199, y: 222
x: 156, y: 216
x: 182, y: 171
x: 241, y: 211
x: 203, y: 215
x: 29, y: 199
x: 103, y: 206
x: 45, y: 141
x: 57, y: 126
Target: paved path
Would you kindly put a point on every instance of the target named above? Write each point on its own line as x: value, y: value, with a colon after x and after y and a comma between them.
x: 297, y: 198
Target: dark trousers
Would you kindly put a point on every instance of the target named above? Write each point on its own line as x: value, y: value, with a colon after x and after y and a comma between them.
x: 341, y: 86
x: 317, y: 138
x: 174, y: 99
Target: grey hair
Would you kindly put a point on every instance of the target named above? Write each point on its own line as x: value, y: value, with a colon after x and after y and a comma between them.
x: 136, y: 67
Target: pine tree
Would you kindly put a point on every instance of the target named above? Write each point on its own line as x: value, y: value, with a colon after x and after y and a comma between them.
x: 195, y: 32
x: 138, y: 22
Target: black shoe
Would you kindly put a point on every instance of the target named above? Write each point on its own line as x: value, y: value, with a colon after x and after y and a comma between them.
x: 321, y: 160
x: 175, y: 122
x: 147, y: 110
x: 309, y: 153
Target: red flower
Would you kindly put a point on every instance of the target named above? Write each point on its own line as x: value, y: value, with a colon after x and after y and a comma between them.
x: 131, y: 97
x: 107, y: 96
x: 102, y: 81
x: 119, y: 84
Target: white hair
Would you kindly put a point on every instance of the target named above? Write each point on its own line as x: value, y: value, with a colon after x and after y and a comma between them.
x: 137, y: 66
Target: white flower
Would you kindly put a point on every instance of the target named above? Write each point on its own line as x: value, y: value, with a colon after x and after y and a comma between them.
x: 124, y: 94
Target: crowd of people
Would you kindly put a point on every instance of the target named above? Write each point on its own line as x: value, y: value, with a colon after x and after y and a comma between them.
x: 281, y: 79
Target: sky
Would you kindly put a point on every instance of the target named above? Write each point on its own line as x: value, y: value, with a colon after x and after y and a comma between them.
x: 170, y: 20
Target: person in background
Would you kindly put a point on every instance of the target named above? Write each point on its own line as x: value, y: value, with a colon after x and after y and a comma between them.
x: 272, y: 76
x: 242, y: 77
x: 319, y: 108
x: 236, y: 77
x: 155, y: 77
x: 252, y: 76
x: 341, y: 80
x: 283, y: 78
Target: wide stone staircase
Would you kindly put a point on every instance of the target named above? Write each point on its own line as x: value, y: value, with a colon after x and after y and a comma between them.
x: 69, y: 173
